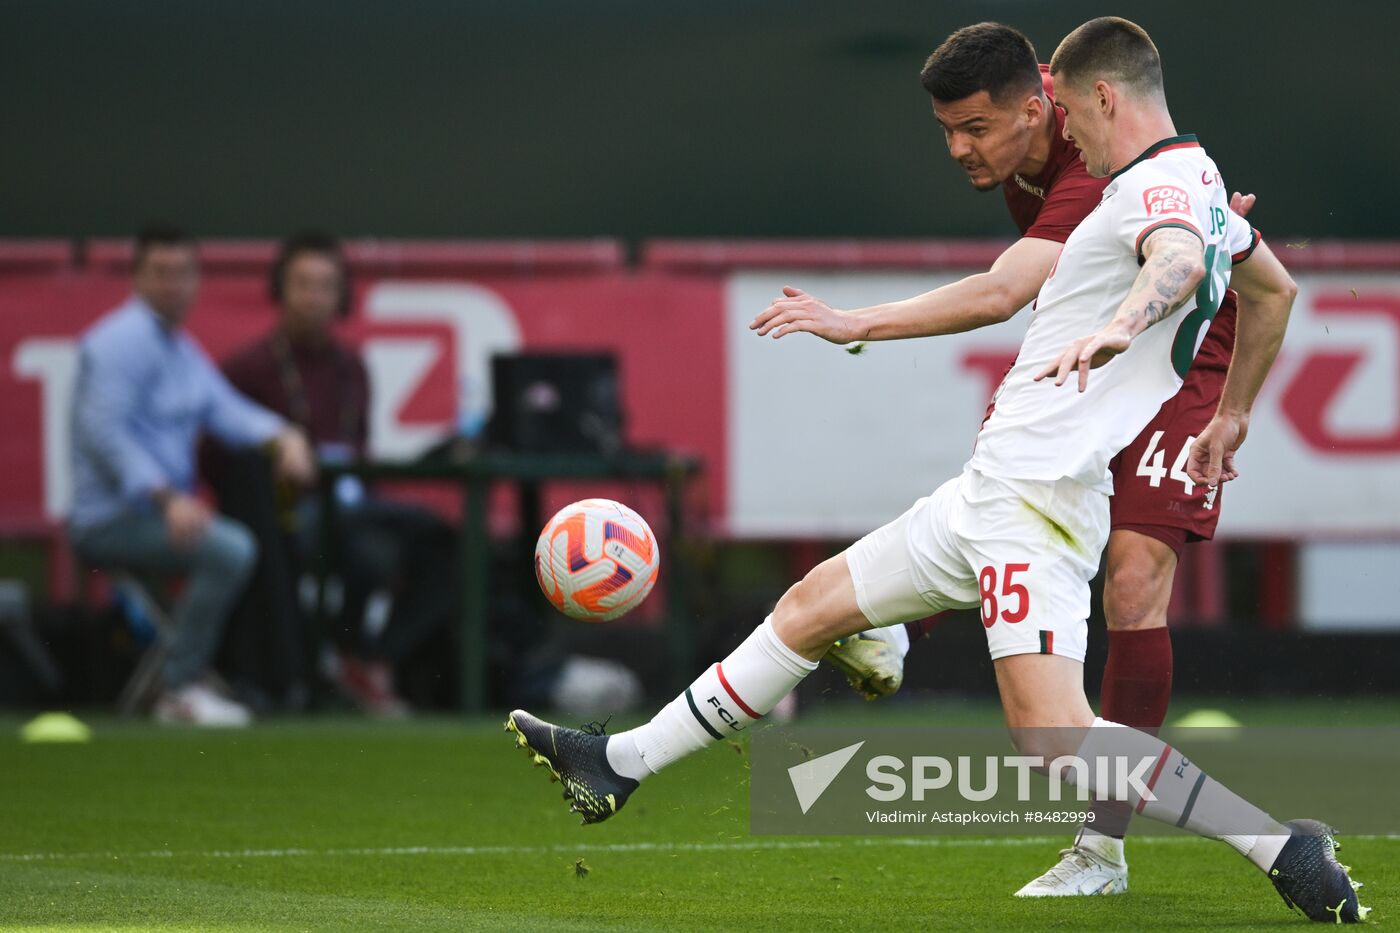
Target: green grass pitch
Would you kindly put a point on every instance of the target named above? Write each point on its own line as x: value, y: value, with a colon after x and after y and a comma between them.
x: 441, y: 824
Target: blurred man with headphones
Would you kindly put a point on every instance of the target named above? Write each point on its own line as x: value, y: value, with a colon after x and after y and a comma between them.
x: 396, y: 560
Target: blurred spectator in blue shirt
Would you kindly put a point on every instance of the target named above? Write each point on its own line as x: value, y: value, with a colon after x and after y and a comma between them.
x: 145, y: 392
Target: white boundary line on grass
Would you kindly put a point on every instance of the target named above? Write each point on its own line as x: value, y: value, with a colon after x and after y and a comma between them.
x: 756, y: 845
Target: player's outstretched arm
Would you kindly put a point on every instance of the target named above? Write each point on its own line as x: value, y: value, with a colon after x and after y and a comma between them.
x: 979, y: 300
x: 1266, y: 293
x: 1172, y: 268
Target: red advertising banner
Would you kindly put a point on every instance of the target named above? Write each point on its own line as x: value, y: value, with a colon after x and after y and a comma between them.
x: 798, y: 439
x: 426, y: 336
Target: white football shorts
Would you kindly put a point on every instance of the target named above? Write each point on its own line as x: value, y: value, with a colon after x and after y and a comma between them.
x: 1023, y: 551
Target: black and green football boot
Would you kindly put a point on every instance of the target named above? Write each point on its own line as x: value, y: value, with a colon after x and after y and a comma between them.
x: 1308, y: 876
x: 576, y: 758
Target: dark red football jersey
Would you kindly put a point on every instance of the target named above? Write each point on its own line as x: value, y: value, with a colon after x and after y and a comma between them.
x: 1051, y: 203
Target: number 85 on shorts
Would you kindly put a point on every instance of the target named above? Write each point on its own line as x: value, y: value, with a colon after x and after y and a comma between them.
x: 1014, y: 593
x: 1033, y: 607
x: 1022, y: 551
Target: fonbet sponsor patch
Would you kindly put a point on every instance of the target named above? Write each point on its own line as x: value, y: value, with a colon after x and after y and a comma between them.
x: 1166, y: 199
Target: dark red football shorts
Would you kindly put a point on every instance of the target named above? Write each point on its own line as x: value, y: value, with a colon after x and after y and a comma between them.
x: 1152, y: 494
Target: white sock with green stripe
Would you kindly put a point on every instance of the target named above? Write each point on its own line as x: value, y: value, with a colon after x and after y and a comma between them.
x: 1185, y: 796
x: 722, y: 702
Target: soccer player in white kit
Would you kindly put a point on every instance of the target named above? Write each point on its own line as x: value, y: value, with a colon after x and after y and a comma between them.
x: 1021, y: 530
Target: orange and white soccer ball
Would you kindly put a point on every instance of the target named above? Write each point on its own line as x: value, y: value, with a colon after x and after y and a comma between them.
x: 596, y: 560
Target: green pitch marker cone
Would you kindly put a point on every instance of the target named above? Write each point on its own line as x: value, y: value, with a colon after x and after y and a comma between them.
x: 54, y: 727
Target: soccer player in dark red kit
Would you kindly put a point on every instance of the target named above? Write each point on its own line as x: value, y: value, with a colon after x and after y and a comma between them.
x: 996, y: 107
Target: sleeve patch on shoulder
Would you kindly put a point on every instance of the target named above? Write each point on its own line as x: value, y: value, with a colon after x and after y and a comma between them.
x: 1166, y: 199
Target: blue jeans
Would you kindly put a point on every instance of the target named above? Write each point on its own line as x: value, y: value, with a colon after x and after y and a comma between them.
x: 216, y: 568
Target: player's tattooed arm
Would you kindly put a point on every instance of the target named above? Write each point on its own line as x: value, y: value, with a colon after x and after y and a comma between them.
x: 1172, y: 268
x: 1266, y: 294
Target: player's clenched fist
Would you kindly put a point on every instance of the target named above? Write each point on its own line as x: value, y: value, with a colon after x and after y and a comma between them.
x: 797, y: 311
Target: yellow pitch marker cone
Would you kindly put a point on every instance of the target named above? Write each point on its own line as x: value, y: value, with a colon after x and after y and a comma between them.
x: 1208, y: 719
x: 55, y: 727
x: 1210, y: 725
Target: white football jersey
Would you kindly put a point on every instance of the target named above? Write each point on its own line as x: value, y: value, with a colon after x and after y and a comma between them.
x: 1038, y: 431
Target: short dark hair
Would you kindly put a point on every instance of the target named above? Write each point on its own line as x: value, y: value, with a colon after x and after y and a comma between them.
x: 989, y: 57
x: 1111, y: 48
x: 158, y: 235
x: 318, y: 242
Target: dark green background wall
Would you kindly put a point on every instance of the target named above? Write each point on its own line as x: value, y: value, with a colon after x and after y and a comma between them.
x: 637, y: 119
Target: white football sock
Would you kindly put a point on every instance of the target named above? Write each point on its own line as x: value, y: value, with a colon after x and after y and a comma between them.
x: 721, y: 702
x: 624, y: 758
x: 1186, y: 796
x: 1106, y: 847
x: 1262, y: 850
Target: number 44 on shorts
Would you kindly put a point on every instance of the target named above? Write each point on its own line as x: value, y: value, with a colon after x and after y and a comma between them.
x: 1153, y: 466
